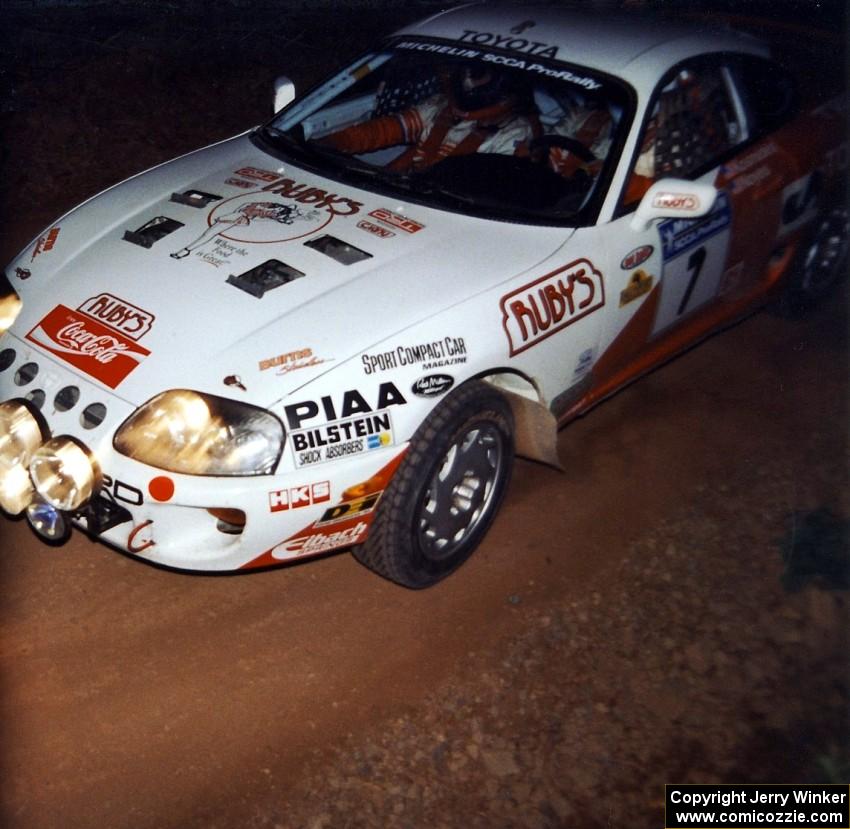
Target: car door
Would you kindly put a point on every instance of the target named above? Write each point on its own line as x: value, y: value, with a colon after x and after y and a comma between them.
x: 671, y: 273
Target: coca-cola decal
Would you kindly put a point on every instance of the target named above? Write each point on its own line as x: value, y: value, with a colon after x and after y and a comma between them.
x: 98, y: 338
x: 548, y: 304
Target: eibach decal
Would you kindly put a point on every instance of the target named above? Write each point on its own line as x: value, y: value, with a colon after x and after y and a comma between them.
x: 45, y: 243
x: 397, y: 221
x: 312, y: 542
x: 549, y: 304
x: 99, y: 337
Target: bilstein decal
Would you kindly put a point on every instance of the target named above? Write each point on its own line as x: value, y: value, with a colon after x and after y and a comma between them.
x: 548, y: 304
x: 97, y: 338
x: 341, y: 439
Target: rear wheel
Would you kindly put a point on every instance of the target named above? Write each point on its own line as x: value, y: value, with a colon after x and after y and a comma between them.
x: 822, y: 262
x: 446, y: 492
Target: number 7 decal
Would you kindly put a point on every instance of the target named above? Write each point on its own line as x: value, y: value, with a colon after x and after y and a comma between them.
x: 694, y: 258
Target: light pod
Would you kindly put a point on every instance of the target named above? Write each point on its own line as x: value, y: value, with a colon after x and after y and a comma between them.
x: 21, y: 434
x: 64, y: 473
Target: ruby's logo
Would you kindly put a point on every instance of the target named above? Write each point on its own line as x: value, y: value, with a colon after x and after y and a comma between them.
x: 99, y: 348
x: 542, y: 307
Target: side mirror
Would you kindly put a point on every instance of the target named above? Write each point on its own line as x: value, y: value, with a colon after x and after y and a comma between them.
x: 673, y: 198
x: 284, y: 92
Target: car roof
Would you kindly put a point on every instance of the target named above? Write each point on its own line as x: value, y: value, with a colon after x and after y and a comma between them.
x: 632, y: 46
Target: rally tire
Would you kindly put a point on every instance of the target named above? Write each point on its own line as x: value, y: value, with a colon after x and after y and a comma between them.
x: 820, y: 264
x: 447, y: 490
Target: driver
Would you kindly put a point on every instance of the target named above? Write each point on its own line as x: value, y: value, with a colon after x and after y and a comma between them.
x: 481, y: 111
x: 591, y: 126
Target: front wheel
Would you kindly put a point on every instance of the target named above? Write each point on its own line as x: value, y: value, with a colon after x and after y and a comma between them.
x: 446, y: 492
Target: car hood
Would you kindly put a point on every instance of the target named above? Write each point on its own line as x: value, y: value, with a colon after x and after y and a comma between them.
x: 209, y: 270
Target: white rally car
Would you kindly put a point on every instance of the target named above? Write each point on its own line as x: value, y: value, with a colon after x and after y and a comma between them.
x: 335, y: 330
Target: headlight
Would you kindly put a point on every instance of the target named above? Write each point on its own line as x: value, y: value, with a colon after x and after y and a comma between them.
x: 200, y: 434
x: 10, y: 304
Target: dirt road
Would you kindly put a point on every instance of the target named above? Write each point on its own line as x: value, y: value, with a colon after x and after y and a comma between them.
x: 625, y: 623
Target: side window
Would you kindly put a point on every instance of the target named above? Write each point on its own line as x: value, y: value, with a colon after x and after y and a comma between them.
x: 767, y: 92
x: 693, y: 122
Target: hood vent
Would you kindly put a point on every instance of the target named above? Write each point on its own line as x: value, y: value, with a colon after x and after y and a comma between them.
x: 152, y: 231
x: 341, y: 251
x: 194, y: 198
x: 271, y: 274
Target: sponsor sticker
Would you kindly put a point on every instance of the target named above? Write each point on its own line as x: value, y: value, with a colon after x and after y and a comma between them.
x: 676, y: 201
x: 292, y: 361
x: 639, y: 285
x: 549, y: 304
x: 371, y: 227
x: 258, y: 175
x: 320, y: 542
x: 432, y: 385
x: 299, y: 496
x: 680, y: 235
x: 45, y: 243
x: 349, y: 509
x: 239, y: 182
x: 341, y: 439
x: 430, y: 355
x: 350, y: 403
x: 637, y: 257
x: 395, y: 220
x: 98, y: 338
x: 23, y: 273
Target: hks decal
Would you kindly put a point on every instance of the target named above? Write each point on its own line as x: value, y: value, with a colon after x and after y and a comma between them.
x: 299, y: 496
x: 435, y: 354
x: 552, y: 302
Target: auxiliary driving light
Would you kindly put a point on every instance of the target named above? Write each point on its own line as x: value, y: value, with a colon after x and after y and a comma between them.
x: 49, y: 522
x: 20, y: 434
x: 64, y: 473
x: 16, y: 490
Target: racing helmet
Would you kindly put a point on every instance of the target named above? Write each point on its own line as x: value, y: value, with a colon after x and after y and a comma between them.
x: 481, y: 93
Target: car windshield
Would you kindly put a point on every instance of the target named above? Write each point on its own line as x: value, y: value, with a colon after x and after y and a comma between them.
x: 462, y: 129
